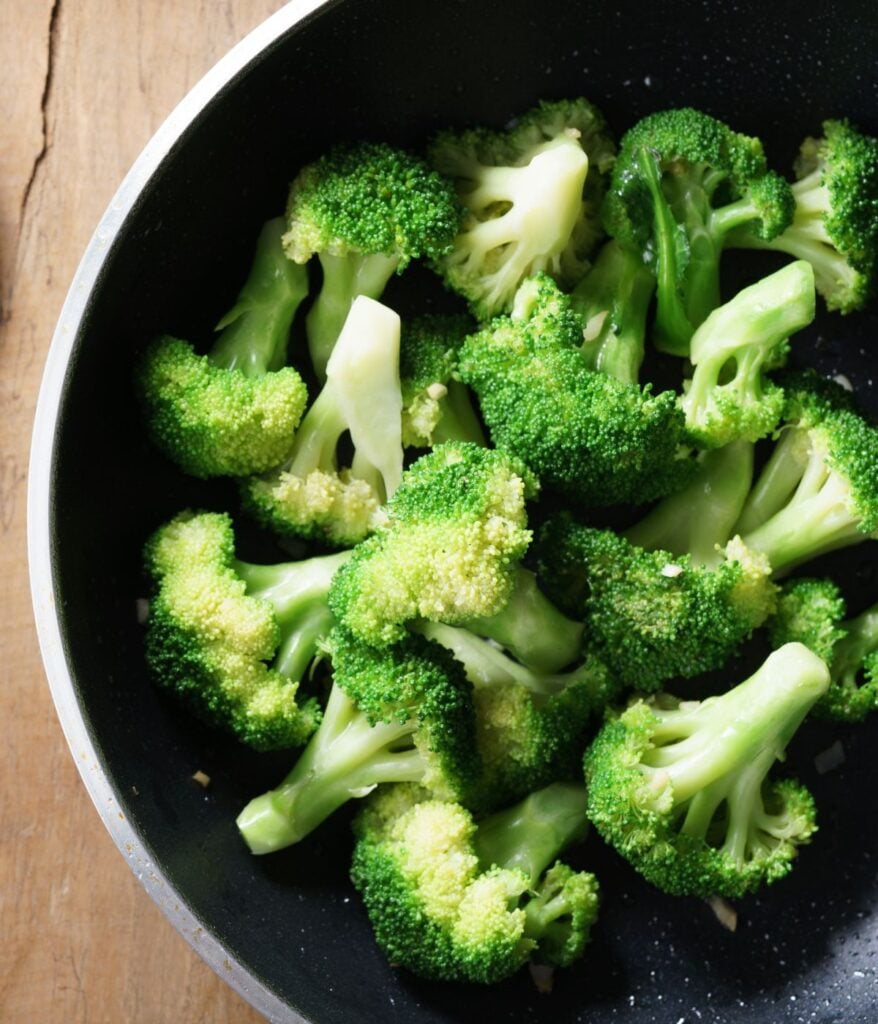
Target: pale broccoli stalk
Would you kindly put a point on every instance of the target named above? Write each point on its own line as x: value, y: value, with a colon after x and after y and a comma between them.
x: 235, y: 410
x: 309, y: 496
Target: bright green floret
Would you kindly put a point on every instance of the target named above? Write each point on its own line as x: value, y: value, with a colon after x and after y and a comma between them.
x: 235, y: 410
x: 835, y: 224
x: 681, y: 182
x: 454, y: 900
x: 309, y: 495
x: 397, y: 714
x: 532, y: 196
x: 366, y: 211
x: 650, y: 615
x: 435, y: 406
x: 819, y: 489
x: 681, y: 788
x: 586, y: 435
x: 728, y: 396
x: 231, y: 638
x: 812, y: 612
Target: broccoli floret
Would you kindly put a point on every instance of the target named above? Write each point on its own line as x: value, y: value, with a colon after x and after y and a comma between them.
x: 459, y: 901
x: 835, y: 224
x: 532, y: 196
x: 366, y: 211
x: 728, y: 396
x: 530, y: 725
x: 680, y: 788
x: 395, y: 714
x: 308, y: 495
x: 231, y: 638
x: 435, y: 406
x: 235, y: 410
x: 587, y: 435
x: 812, y: 612
x: 681, y: 182
x: 613, y: 300
x: 651, y: 615
x: 819, y: 489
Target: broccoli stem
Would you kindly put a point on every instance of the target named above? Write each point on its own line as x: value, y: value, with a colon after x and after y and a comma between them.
x: 736, y: 733
x: 777, y: 481
x: 344, y: 278
x: 613, y: 300
x: 297, y: 591
x: 255, y: 331
x: 530, y: 835
x: 345, y: 759
x: 860, y: 639
x: 459, y: 421
x: 699, y: 520
x: 532, y: 628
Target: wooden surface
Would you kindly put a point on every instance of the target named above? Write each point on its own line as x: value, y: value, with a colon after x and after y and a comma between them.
x: 83, y: 85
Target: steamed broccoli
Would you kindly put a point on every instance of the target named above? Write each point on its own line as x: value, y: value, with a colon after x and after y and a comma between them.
x: 532, y: 196
x: 366, y: 211
x: 819, y: 489
x: 681, y: 182
x: 307, y: 495
x: 235, y: 410
x: 812, y: 612
x: 587, y: 435
x: 680, y: 788
x: 835, y: 224
x: 449, y: 552
x: 396, y: 714
x: 231, y: 638
x: 728, y: 396
x: 460, y: 901
x: 435, y: 406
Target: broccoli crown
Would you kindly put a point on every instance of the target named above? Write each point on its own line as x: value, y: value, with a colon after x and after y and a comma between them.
x: 370, y: 199
x: 209, y: 641
x: 456, y: 528
x: 532, y: 196
x: 809, y: 612
x: 728, y: 396
x: 587, y: 435
x: 650, y: 615
x: 680, y: 789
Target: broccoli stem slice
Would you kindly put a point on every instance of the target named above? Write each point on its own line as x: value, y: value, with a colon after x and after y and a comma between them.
x: 344, y: 278
x: 532, y: 628
x: 345, y: 759
x: 724, y: 737
x: 255, y: 331
x: 459, y: 421
x: 297, y: 592
x: 699, y: 520
x: 530, y: 835
x: 613, y: 300
x: 778, y: 480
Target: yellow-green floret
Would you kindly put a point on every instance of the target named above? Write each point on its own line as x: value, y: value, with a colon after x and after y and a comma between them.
x: 681, y: 789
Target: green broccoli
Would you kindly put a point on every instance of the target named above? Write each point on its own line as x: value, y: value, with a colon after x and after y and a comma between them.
x: 366, y: 211
x: 680, y: 788
x: 835, y: 224
x: 308, y: 495
x: 651, y: 615
x: 819, y: 489
x: 530, y: 726
x: 681, y: 182
x: 590, y: 437
x: 532, y: 196
x: 456, y: 900
x: 235, y: 410
x: 231, y: 638
x: 394, y: 714
x: 812, y: 612
x: 449, y: 552
x: 435, y: 406
x: 728, y: 396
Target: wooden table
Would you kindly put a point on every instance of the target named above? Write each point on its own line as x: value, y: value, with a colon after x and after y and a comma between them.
x: 83, y: 85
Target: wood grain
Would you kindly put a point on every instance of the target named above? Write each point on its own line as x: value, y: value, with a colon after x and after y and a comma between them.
x: 83, y: 85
